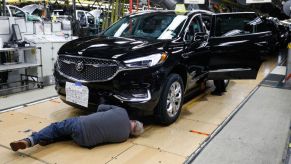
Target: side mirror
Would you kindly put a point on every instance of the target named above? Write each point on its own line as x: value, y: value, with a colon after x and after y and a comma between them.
x: 200, y: 36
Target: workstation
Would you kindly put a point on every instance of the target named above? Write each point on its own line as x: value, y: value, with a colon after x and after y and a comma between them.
x: 125, y: 81
x: 17, y: 58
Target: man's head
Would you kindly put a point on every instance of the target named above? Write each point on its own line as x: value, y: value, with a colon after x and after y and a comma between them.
x: 136, y: 128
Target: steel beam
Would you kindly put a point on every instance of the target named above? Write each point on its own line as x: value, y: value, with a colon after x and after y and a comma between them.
x: 74, y: 10
x: 4, y: 7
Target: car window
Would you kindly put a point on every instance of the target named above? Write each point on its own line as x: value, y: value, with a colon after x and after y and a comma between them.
x: 153, y: 26
x: 207, y: 21
x: 149, y: 26
x: 91, y: 19
x: 235, y: 24
x: 37, y: 12
x: 80, y: 15
x: 194, y: 27
x: 16, y: 12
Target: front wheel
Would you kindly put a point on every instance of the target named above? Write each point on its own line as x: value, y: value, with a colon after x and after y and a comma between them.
x: 171, y: 101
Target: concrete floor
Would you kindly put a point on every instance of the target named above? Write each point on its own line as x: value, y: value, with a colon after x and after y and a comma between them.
x: 19, y: 99
x: 258, y: 133
x: 172, y: 144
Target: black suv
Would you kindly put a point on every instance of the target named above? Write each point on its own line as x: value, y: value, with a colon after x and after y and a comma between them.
x: 149, y: 61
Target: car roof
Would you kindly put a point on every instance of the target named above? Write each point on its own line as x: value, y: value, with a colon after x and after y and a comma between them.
x: 169, y: 11
x: 235, y: 13
x: 13, y: 6
x: 189, y: 12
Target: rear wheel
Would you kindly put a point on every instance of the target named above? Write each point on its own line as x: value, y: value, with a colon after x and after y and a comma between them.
x: 171, y: 101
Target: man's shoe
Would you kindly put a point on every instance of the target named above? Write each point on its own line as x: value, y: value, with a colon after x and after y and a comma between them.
x: 21, y: 144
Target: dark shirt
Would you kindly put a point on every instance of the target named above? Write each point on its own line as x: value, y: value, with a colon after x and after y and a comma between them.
x: 110, y: 124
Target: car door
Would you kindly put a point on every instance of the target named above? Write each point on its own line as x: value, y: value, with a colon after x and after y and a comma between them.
x: 236, y: 46
x: 81, y: 17
x: 90, y: 19
x: 196, y: 48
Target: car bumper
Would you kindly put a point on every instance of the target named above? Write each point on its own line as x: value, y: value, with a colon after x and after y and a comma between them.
x: 134, y: 89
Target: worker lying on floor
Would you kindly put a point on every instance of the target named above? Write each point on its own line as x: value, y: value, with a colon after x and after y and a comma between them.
x: 110, y: 124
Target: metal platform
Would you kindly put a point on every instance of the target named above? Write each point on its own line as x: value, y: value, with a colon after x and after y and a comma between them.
x: 4, y: 68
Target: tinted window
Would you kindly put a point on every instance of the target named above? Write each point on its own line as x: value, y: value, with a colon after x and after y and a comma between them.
x: 37, y: 12
x: 235, y: 24
x: 207, y: 21
x: 151, y: 26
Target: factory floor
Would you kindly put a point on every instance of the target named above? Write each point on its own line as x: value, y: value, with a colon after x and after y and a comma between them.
x: 258, y: 134
x: 173, y: 144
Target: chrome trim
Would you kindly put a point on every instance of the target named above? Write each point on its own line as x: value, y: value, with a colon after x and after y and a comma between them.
x: 87, y: 57
x: 256, y: 33
x: 102, y: 65
x: 79, y: 66
x: 231, y: 13
x: 230, y: 43
x: 93, y: 65
x: 120, y: 69
x: 135, y: 100
x: 231, y: 70
x: 85, y: 81
x: 68, y: 62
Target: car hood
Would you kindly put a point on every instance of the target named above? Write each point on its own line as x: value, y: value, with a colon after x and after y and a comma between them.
x: 112, y: 47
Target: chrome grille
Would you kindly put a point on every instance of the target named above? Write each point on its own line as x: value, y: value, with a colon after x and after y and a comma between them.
x: 93, y: 69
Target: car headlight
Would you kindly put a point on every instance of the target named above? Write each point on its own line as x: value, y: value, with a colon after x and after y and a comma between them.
x: 147, y: 61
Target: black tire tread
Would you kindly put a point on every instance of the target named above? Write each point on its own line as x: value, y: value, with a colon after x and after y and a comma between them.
x: 160, y: 111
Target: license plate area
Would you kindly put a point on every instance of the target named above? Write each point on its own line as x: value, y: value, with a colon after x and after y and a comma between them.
x: 77, y: 93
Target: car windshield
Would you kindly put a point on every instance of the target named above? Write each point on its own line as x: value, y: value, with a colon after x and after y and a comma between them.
x: 149, y: 26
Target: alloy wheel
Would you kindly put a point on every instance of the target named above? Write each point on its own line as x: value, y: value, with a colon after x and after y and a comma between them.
x: 174, y: 99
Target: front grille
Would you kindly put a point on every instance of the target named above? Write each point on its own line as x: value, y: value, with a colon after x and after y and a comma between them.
x: 93, y: 69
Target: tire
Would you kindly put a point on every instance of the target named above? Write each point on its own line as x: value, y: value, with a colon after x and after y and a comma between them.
x: 169, y: 106
x: 226, y: 82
